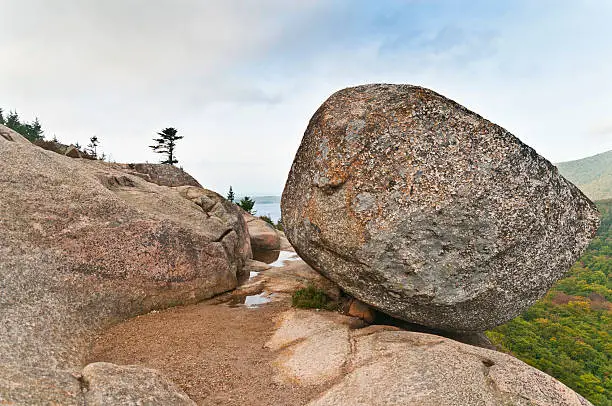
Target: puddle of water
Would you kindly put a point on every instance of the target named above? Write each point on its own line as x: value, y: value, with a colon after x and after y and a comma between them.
x: 256, y: 300
x: 284, y: 256
x: 253, y: 274
x: 251, y: 300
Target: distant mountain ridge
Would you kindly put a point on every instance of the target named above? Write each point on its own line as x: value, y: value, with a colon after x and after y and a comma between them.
x: 593, y: 175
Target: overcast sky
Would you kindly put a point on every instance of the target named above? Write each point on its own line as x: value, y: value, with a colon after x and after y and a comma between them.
x: 241, y: 79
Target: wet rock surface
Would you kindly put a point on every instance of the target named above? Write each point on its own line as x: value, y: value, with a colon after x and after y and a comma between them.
x: 428, y: 212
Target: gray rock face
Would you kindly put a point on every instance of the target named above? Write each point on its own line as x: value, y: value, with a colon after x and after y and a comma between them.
x: 427, y: 211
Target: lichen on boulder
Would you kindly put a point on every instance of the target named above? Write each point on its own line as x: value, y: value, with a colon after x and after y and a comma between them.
x: 429, y: 212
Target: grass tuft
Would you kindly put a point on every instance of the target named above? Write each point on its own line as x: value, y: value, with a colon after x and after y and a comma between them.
x: 312, y: 297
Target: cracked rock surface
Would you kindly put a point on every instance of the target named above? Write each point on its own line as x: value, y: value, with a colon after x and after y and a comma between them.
x: 85, y: 244
x: 427, y: 211
x: 382, y: 365
x: 299, y: 357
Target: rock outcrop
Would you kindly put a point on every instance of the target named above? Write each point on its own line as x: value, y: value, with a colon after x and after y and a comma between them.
x: 382, y: 365
x: 72, y: 152
x: 163, y: 175
x: 86, y: 244
x: 109, y: 384
x: 427, y: 211
x: 263, y: 235
x: 315, y: 356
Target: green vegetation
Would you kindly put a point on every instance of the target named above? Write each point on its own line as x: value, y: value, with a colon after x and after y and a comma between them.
x: 568, y: 333
x: 247, y: 204
x: 312, y: 297
x: 268, y: 220
x: 92, y: 148
x: 593, y: 175
x: 32, y: 131
x: 279, y: 225
x: 230, y: 195
x: 166, y: 144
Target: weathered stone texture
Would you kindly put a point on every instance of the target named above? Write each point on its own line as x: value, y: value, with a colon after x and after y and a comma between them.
x: 163, y: 175
x: 382, y: 365
x: 109, y: 384
x: 263, y: 235
x: 84, y: 244
x: 427, y: 211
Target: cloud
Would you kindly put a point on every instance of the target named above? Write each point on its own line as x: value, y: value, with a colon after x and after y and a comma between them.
x: 136, y: 43
x: 241, y: 79
x: 602, y: 129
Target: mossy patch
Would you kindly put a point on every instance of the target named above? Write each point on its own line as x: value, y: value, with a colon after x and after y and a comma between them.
x: 312, y: 297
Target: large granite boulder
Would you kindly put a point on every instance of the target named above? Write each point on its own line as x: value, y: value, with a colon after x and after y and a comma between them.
x: 427, y: 211
x: 85, y: 244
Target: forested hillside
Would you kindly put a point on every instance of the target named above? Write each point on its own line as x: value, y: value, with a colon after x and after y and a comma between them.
x: 567, y: 334
x: 593, y: 175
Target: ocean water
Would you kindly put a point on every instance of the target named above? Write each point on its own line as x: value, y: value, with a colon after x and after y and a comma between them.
x: 268, y: 206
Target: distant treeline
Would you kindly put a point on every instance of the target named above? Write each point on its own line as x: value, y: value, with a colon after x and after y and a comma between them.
x: 32, y: 131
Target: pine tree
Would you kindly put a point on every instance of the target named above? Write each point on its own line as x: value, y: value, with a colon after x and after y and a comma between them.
x: 166, y: 143
x: 12, y: 121
x: 92, y: 148
x: 34, y: 130
x: 2, y: 117
x: 247, y: 204
x: 230, y: 195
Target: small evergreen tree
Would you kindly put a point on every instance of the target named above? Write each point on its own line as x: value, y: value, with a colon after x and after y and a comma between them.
x: 247, y: 204
x: 92, y: 148
x: 230, y: 195
x: 166, y: 143
x: 12, y: 121
x: 2, y: 116
x: 32, y: 131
